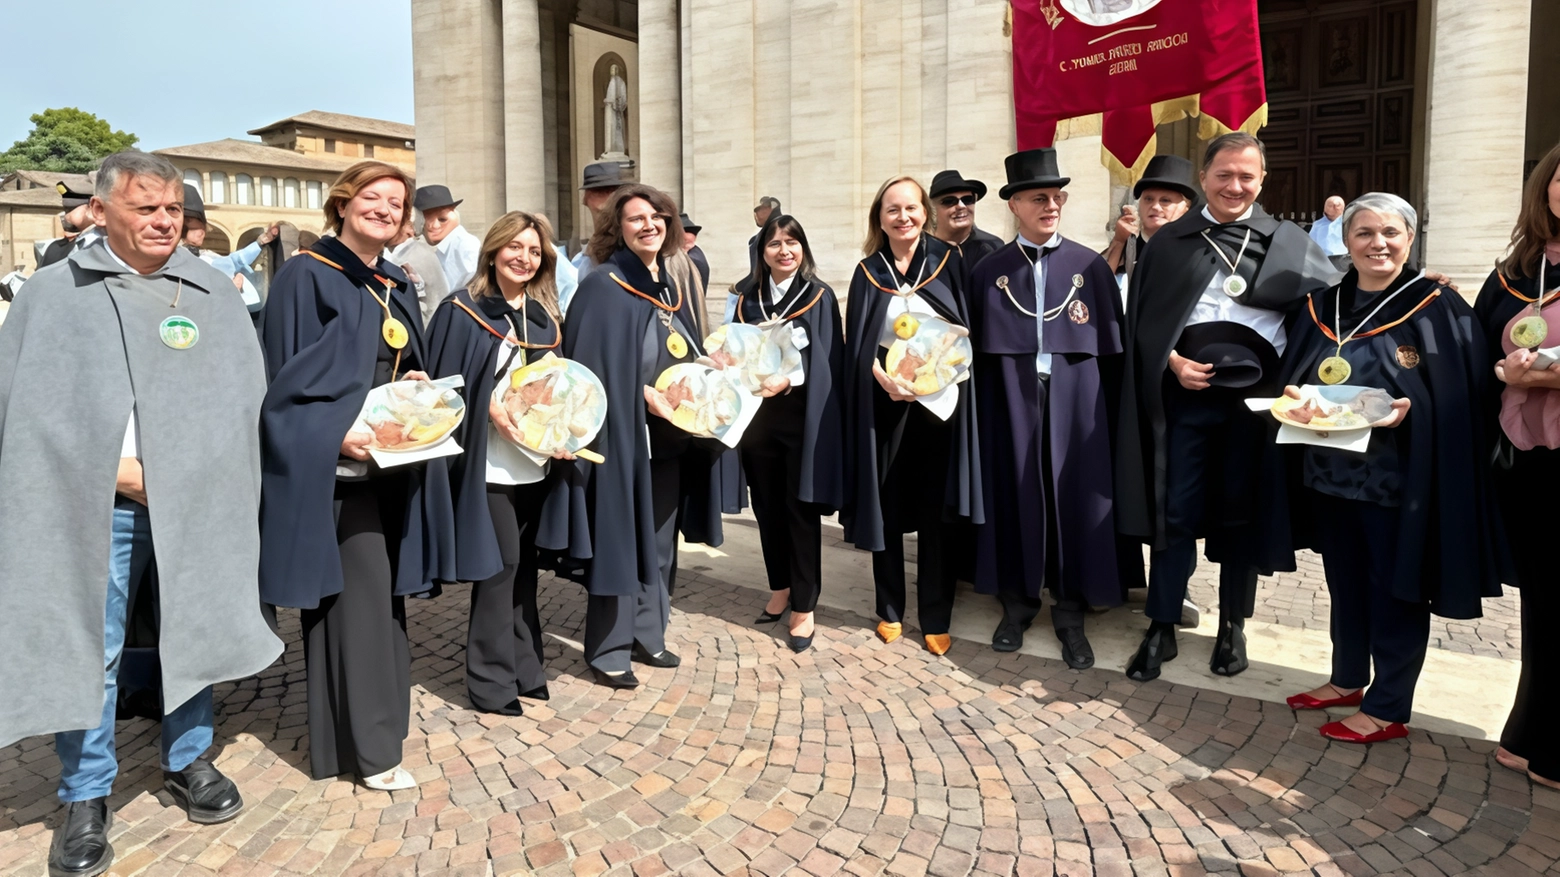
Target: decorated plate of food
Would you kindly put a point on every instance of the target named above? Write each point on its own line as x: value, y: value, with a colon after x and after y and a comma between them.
x: 407, y: 416
x: 705, y: 401
x: 556, y: 404
x: 758, y: 356
x: 1334, y: 408
x: 929, y: 355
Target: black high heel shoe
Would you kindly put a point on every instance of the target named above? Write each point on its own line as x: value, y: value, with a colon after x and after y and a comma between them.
x: 767, y: 618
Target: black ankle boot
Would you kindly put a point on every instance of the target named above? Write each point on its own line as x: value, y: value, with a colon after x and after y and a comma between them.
x: 1229, y: 649
x: 80, y: 847
x: 1158, y: 646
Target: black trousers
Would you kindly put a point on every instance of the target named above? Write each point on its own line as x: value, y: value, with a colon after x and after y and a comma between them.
x: 1533, y: 729
x: 790, y: 531
x: 1369, y: 626
x: 356, y: 653
x: 504, y: 631
x: 912, y: 466
x: 1213, y: 446
x: 613, y: 625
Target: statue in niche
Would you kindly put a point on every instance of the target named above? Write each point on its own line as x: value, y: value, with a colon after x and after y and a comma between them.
x: 615, y: 116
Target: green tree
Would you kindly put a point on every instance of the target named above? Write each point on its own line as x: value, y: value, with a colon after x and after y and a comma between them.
x: 67, y: 140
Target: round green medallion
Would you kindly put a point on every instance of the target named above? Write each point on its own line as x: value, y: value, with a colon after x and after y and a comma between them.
x: 180, y: 333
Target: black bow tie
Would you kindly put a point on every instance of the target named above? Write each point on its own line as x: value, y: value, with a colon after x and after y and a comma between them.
x: 1034, y: 253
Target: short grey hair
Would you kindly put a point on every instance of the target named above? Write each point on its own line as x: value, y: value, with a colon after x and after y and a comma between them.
x: 771, y: 202
x: 133, y: 163
x: 1384, y: 203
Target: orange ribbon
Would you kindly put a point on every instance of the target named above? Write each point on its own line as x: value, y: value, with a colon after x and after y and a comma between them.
x: 1311, y: 303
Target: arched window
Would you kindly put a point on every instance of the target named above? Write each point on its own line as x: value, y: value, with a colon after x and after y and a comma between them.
x: 244, y: 189
x: 218, y: 187
x: 290, y: 192
x: 267, y: 191
x: 193, y: 178
x: 315, y: 197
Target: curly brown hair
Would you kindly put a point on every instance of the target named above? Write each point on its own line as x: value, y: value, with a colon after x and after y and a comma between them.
x: 608, y: 234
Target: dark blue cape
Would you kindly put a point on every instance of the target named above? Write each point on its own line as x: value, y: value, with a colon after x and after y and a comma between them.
x: 459, y: 345
x: 321, y: 335
x: 1085, y: 344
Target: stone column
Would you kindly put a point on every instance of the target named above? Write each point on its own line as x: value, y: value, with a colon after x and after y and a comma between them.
x: 457, y: 79
x: 525, y: 171
x: 660, y: 97
x: 1478, y: 103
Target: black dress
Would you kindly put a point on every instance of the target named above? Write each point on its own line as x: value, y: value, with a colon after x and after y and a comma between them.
x: 1533, y: 729
x: 495, y: 523
x: 345, y: 550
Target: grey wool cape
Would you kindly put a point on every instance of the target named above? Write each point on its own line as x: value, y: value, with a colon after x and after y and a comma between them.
x: 80, y: 348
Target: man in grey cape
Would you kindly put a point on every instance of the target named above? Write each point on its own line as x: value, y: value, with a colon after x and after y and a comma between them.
x: 130, y: 390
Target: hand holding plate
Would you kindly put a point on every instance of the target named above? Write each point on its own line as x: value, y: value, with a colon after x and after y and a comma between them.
x: 657, y: 404
x: 355, y: 445
x: 894, y: 391
x: 1399, y: 411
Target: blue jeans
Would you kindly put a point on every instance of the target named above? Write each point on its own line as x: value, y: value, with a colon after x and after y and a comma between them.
x: 88, y: 764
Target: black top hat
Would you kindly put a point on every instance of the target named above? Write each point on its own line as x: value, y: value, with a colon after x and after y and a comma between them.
x: 1169, y: 172
x: 1239, y: 355
x: 193, y: 205
x: 953, y: 181
x: 607, y: 175
x: 434, y: 197
x: 688, y: 224
x: 1032, y: 169
x: 70, y: 197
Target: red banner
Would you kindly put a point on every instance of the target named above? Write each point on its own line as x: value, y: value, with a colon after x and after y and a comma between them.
x: 1139, y: 62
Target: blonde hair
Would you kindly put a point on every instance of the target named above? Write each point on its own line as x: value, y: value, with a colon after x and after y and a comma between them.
x: 875, y: 236
x: 542, y: 286
x: 354, y: 180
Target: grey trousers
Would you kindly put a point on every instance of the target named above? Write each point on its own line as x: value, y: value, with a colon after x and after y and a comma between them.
x: 614, y: 624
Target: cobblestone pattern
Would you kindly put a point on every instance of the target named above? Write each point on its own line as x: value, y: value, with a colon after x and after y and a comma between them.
x: 855, y: 758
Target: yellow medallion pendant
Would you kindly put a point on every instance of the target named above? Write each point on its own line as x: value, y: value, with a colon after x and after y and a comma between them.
x: 1529, y: 332
x: 676, y: 346
x: 906, y: 325
x: 1334, y: 370
x: 395, y: 333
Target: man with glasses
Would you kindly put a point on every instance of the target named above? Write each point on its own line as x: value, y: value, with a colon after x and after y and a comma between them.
x: 954, y: 197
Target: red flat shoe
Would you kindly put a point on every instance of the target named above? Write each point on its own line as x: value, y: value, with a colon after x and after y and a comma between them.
x: 1345, y: 734
x: 1306, y: 702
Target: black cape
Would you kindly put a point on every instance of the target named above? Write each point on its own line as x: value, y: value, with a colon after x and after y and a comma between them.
x: 321, y: 335
x: 813, y: 305
x: 866, y: 306
x: 1451, y: 550
x: 1076, y: 421
x: 1172, y: 271
x: 702, y: 263
x: 459, y: 345
x: 602, y: 513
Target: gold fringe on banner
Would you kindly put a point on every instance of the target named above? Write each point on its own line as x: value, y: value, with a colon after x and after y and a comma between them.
x: 1172, y: 111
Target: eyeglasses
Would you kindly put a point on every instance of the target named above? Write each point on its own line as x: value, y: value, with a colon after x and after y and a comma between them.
x: 950, y: 200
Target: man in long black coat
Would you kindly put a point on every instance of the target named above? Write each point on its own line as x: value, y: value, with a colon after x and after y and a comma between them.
x: 1206, y: 327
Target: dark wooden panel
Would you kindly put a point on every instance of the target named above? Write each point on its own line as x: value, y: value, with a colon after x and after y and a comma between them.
x: 1342, y: 47
x: 1345, y: 179
x: 1281, y: 190
x: 1282, y: 59
x: 1394, y: 119
x: 1347, y: 110
x: 1398, y: 40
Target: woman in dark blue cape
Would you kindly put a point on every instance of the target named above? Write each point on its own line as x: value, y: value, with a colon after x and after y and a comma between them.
x: 637, y: 314
x: 906, y: 470
x: 791, y: 452
x: 505, y: 319
x: 342, y: 539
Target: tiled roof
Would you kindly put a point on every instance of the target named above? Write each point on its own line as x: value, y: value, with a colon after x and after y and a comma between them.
x: 343, y: 122
x: 249, y: 152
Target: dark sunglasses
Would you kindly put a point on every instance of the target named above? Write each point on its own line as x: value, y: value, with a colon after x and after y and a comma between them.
x: 950, y: 200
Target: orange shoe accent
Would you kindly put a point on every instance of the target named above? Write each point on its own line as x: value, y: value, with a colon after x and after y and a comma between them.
x: 938, y: 643
x: 889, y: 630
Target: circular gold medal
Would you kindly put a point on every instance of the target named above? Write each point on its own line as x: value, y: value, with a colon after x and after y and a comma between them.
x: 395, y: 333
x: 676, y: 346
x: 1529, y: 332
x: 1334, y: 370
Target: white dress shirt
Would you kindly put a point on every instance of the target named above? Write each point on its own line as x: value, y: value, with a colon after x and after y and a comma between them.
x: 1216, y: 306
x: 1042, y: 359
x: 1328, y: 234
x: 458, y: 254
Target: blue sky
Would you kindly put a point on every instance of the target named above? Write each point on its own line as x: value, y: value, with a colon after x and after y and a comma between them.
x: 178, y: 71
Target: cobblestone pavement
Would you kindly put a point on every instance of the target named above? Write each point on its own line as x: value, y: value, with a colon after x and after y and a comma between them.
x: 856, y: 757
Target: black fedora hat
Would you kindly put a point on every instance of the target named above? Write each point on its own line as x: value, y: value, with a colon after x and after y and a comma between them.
x: 193, y: 205
x: 434, y: 197
x: 607, y: 175
x: 688, y: 224
x: 1032, y: 169
x: 953, y: 181
x: 1169, y: 172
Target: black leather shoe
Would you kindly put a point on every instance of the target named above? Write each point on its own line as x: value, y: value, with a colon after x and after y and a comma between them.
x: 1076, y: 650
x: 539, y: 693
x: 663, y: 658
x: 621, y: 680
x: 1009, y: 636
x: 1229, y: 649
x: 1158, y: 646
x: 80, y: 847
x: 206, y: 795
x: 513, y: 708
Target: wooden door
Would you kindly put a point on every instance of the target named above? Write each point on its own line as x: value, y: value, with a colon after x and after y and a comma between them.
x: 1340, y: 88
